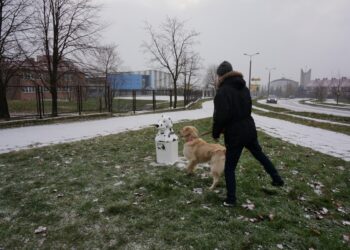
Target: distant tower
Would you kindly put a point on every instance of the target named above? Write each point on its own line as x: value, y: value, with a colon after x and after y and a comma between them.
x: 305, y: 77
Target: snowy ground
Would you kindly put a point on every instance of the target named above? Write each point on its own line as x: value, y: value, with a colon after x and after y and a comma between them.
x: 324, y: 141
x: 304, y: 117
x: 329, y: 104
x: 332, y: 101
x: 293, y: 104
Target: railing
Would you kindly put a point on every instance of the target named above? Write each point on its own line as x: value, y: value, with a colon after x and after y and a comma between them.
x: 35, y: 101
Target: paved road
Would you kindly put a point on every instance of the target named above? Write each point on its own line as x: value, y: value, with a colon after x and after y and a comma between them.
x: 293, y: 104
x: 13, y: 139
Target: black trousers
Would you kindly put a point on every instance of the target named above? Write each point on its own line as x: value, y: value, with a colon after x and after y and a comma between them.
x: 232, y: 156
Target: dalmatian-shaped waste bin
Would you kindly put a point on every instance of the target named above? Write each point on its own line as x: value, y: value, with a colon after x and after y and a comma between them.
x: 166, y: 141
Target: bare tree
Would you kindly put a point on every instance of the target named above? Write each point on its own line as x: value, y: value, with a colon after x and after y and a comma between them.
x: 336, y: 85
x: 106, y: 59
x: 320, y: 91
x: 65, y: 28
x: 191, y: 66
x: 14, y: 21
x: 169, y: 46
x: 211, y: 77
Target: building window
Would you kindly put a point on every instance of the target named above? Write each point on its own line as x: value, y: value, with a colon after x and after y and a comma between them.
x: 28, y: 76
x: 29, y: 89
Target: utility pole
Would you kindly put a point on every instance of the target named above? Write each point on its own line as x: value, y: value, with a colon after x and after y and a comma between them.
x: 268, y: 86
x: 250, y: 65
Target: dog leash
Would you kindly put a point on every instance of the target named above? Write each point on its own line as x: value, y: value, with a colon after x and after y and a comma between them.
x: 205, y: 133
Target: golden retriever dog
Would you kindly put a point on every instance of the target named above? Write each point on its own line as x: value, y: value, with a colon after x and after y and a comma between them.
x: 196, y: 150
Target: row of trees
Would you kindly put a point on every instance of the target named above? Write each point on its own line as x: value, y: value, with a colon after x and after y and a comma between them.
x: 64, y: 30
x: 335, y: 89
x: 59, y: 30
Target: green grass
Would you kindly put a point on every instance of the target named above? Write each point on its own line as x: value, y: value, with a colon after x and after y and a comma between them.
x: 105, y: 193
x: 21, y: 106
x: 161, y: 105
x: 90, y: 104
x: 126, y: 105
x: 54, y: 120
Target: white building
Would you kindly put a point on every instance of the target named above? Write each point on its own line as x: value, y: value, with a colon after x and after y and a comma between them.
x: 283, y: 87
x: 157, y: 79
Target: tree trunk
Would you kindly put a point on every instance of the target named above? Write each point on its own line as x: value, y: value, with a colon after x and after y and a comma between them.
x: 4, y: 110
x: 175, y: 96
x: 106, y: 92
x: 54, y: 112
x: 337, y: 99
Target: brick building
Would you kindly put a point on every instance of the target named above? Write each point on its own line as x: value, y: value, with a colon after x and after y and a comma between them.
x: 33, y: 73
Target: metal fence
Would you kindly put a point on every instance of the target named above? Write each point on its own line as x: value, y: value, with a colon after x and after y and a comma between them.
x: 35, y: 101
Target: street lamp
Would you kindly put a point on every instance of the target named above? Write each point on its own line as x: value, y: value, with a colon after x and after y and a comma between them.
x: 268, y: 86
x: 250, y: 64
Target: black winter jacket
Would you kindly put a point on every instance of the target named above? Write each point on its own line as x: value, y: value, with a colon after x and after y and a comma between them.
x: 232, y: 111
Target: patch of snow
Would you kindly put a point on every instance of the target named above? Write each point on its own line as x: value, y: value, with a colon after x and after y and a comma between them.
x: 13, y: 139
x: 324, y: 141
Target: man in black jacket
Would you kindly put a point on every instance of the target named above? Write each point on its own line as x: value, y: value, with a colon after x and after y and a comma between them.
x: 232, y: 116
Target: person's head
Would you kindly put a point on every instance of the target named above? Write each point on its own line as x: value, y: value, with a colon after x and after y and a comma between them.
x: 224, y: 68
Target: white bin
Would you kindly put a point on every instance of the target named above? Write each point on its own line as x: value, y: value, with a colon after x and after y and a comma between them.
x: 167, y: 152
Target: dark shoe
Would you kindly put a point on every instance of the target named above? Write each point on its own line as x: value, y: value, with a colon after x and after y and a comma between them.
x: 228, y: 203
x: 278, y: 183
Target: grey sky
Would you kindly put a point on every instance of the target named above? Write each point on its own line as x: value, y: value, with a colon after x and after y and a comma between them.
x: 289, y: 34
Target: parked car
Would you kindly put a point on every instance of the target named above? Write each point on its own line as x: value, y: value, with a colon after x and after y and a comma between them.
x: 271, y: 99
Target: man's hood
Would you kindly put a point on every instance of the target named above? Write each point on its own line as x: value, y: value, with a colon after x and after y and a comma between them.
x: 239, y: 84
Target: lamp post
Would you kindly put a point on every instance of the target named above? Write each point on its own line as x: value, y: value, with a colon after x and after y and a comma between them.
x: 268, y: 86
x: 250, y: 64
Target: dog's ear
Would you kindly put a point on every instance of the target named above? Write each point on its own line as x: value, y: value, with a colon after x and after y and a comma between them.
x: 182, y: 131
x: 195, y: 131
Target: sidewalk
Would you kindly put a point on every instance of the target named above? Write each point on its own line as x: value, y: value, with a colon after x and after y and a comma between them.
x: 14, y: 139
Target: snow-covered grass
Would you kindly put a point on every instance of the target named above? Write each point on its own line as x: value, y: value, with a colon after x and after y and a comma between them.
x: 107, y: 192
x: 345, y: 129
x: 339, y: 124
x: 331, y: 102
x: 299, y: 105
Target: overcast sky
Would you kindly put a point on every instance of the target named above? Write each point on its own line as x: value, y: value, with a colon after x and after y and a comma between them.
x: 289, y: 34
